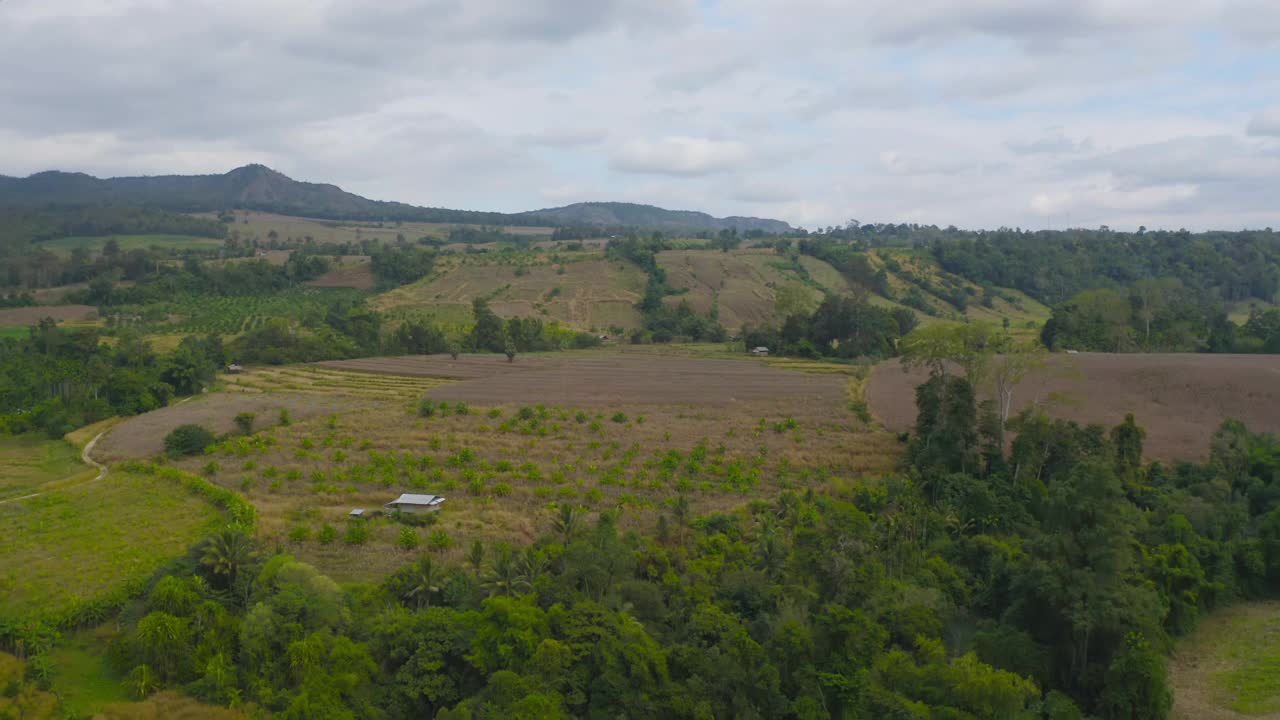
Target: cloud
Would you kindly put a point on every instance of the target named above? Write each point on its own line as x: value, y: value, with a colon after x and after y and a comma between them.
x: 1266, y: 123
x: 1054, y: 142
x: 812, y: 111
x: 680, y: 156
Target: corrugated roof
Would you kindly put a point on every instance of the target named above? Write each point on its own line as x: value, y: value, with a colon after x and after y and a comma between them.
x: 411, y: 499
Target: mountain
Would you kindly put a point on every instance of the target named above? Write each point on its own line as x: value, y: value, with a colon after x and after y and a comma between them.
x: 257, y: 187
x: 616, y: 214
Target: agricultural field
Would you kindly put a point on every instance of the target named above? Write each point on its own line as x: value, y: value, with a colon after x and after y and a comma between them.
x: 232, y: 315
x: 741, y: 285
x: 85, y: 541
x: 319, y: 380
x: 133, y: 242
x: 26, y: 316
x: 1229, y: 667
x: 349, y: 271
x: 579, y: 290
x: 32, y: 463
x: 1180, y: 399
x: 251, y: 224
x: 142, y: 436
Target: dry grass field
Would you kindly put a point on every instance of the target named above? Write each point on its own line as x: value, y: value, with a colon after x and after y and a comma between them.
x: 353, y: 271
x: 251, y: 224
x: 1179, y: 398
x: 741, y: 284
x: 320, y: 380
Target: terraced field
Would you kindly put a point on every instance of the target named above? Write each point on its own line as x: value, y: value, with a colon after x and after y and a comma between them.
x: 315, y: 379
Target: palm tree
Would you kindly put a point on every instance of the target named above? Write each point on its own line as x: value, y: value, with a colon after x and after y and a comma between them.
x: 566, y: 523
x: 505, y: 576
x: 476, y: 556
x: 422, y: 583
x: 227, y: 554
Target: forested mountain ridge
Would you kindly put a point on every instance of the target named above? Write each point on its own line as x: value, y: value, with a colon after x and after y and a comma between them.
x: 257, y: 187
x: 616, y: 214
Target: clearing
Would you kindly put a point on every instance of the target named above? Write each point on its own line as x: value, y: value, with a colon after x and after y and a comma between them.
x: 27, y: 316
x: 349, y: 271
x: 1229, y: 668
x: 83, y: 542
x: 1180, y: 398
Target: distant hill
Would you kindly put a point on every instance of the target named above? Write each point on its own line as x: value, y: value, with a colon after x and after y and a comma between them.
x: 616, y: 214
x: 257, y: 187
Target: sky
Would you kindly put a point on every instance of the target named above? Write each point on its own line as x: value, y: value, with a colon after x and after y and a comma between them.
x: 974, y: 113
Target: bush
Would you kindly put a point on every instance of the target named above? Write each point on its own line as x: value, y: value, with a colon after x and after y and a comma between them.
x: 356, y: 533
x: 188, y: 439
x: 439, y: 541
x: 244, y: 422
x: 426, y: 408
x: 460, y: 408
x: 300, y: 534
x: 408, y: 539
x: 619, y: 417
x: 327, y: 534
x: 285, y: 418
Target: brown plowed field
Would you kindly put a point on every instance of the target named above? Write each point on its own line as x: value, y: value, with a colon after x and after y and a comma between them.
x: 1179, y: 398
x: 619, y: 379
x: 32, y: 315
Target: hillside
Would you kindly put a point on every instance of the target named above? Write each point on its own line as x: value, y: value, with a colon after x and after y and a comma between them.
x: 257, y: 187
x: 614, y: 214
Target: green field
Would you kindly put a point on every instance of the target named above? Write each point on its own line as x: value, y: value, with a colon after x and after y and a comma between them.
x: 31, y: 462
x: 1230, y: 665
x: 14, y: 332
x: 231, y: 315
x: 86, y: 541
x: 134, y: 242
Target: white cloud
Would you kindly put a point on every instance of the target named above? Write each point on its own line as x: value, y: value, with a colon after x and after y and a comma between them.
x: 680, y: 155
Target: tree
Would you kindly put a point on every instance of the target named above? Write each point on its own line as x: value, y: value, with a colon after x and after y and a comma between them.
x: 566, y: 522
x: 487, y: 335
x: 1136, y: 683
x: 423, y: 583
x: 227, y: 554
x: 188, y: 439
x: 509, y: 348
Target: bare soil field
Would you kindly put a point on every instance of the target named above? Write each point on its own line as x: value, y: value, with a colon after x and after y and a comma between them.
x: 33, y: 315
x: 1180, y: 399
x: 143, y: 436
x: 639, y: 378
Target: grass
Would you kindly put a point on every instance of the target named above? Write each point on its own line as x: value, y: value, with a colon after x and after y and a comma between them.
x: 28, y: 462
x: 84, y: 541
x: 17, y: 332
x: 1230, y: 666
x: 83, y: 677
x: 134, y: 242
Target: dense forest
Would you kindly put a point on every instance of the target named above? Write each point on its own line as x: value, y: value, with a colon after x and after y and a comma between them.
x: 1042, y: 582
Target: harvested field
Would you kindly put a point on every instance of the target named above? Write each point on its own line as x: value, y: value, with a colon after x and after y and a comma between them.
x: 31, y: 315
x: 1179, y: 398
x: 314, y: 379
x: 143, y: 436
x: 1229, y: 667
x: 639, y: 378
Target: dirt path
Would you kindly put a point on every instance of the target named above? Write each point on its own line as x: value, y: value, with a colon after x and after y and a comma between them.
x: 84, y: 456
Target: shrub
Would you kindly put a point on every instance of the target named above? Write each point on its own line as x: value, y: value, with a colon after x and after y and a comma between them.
x: 300, y: 534
x: 495, y: 413
x: 285, y: 418
x: 211, y: 468
x: 619, y: 417
x: 188, y: 439
x: 327, y: 534
x: 426, y: 408
x: 525, y: 413
x: 356, y: 533
x: 439, y: 541
x: 460, y: 408
x: 244, y: 422
x: 408, y: 539
x: 502, y: 489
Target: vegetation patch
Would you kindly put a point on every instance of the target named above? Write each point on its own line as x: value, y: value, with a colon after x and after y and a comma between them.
x: 29, y: 462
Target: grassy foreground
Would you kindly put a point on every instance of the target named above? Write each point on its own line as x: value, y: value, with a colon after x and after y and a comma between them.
x: 85, y: 541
